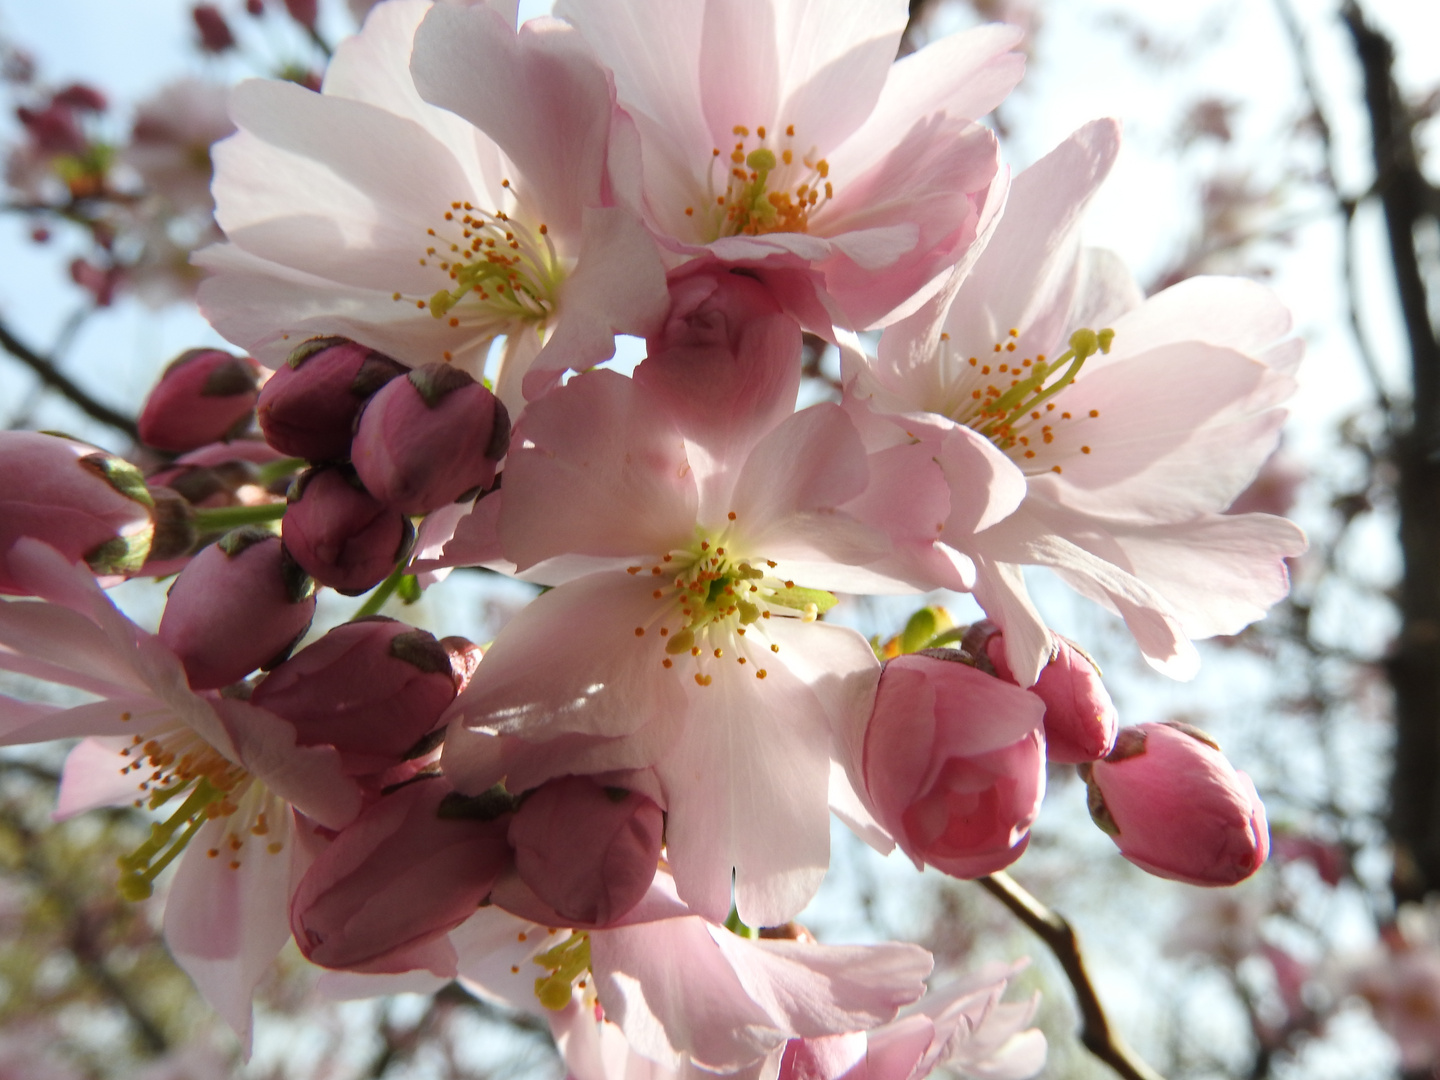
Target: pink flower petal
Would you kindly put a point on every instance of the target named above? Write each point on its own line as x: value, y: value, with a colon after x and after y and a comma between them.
x: 596, y: 469
x: 225, y: 926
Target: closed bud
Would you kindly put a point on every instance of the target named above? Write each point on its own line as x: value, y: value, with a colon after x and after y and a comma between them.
x: 303, y: 12
x: 215, y: 35
x: 1080, y: 718
x: 465, y: 658
x: 205, y: 395
x: 394, y: 882
x: 372, y: 689
x: 427, y: 439
x: 240, y: 604
x: 588, y: 852
x: 954, y: 763
x: 308, y: 407
x: 221, y: 474
x: 83, y: 502
x: 340, y: 534
x: 1176, y: 807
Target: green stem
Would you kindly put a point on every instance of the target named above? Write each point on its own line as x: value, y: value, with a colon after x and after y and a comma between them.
x: 271, y: 471
x: 215, y: 519
x: 376, y: 600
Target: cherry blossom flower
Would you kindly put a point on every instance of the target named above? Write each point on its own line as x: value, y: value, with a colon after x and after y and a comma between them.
x: 668, y: 990
x: 679, y: 532
x: 787, y: 138
x: 226, y: 773
x: 452, y: 235
x: 1130, y: 441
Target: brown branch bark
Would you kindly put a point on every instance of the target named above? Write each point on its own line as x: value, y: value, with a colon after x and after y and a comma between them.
x: 1407, y: 200
x: 1095, y: 1031
x: 52, y: 377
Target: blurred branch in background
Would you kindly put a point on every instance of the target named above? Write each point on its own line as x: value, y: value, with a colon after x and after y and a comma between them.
x: 51, y: 376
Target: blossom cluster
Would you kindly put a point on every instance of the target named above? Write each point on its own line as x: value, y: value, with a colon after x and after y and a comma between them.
x: 615, y: 816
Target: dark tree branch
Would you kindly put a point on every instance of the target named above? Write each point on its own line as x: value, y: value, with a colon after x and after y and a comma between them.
x: 1407, y: 200
x: 1310, y: 84
x: 1095, y: 1030
x: 52, y: 377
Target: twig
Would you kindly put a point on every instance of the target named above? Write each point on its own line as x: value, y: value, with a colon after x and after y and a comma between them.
x: 1095, y: 1031
x: 51, y: 377
x: 1347, y: 206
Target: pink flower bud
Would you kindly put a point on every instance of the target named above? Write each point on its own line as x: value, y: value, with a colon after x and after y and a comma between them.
x: 303, y: 12
x: 408, y: 870
x: 372, y: 689
x: 81, y: 501
x: 240, y: 604
x: 308, y: 407
x: 1080, y: 718
x: 215, y: 35
x: 205, y: 395
x: 427, y: 439
x: 340, y: 535
x: 954, y: 763
x: 54, y: 129
x: 727, y: 351
x: 1176, y: 807
x: 221, y: 474
x: 465, y: 658
x: 82, y: 97
x: 588, y: 852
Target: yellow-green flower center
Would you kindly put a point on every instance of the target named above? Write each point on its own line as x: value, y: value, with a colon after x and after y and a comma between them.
x: 497, y: 271
x: 1010, y: 398
x: 766, y: 189
x: 712, y: 606
x: 171, y: 762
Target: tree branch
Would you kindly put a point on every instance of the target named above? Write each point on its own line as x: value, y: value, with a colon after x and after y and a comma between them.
x: 51, y: 377
x: 1095, y: 1031
x: 1310, y: 84
x: 1407, y: 199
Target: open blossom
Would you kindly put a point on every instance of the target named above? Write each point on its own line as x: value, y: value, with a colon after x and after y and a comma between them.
x: 787, y: 138
x: 697, y: 652
x: 454, y: 234
x: 1134, y: 425
x: 226, y: 773
x: 668, y: 991
x: 964, y: 1028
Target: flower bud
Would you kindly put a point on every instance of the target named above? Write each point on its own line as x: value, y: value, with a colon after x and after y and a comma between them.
x: 372, y: 689
x: 308, y: 407
x: 215, y: 35
x: 465, y: 658
x: 427, y: 439
x: 205, y: 395
x: 1080, y: 718
x: 240, y: 604
x: 221, y: 474
x: 340, y: 535
x: 954, y: 763
x: 408, y: 870
x: 1176, y: 807
x: 81, y: 501
x: 588, y: 852
x: 727, y: 353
